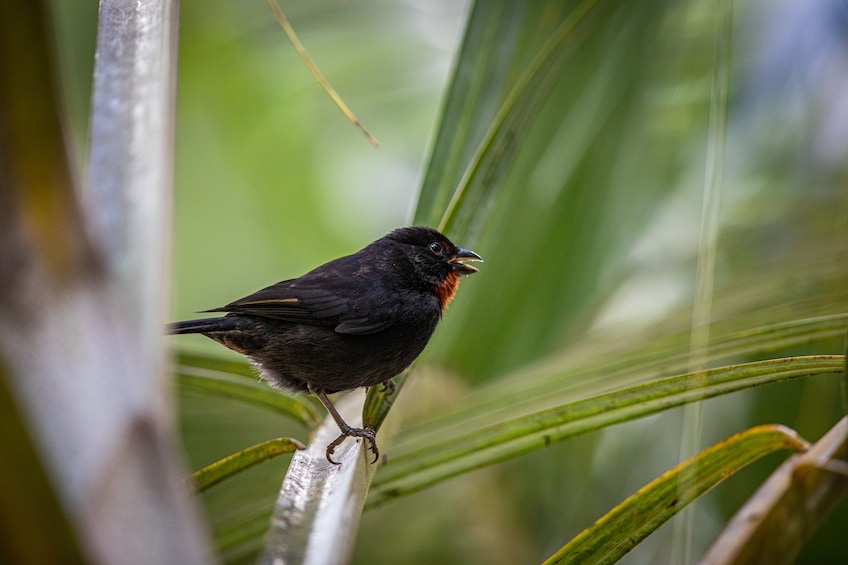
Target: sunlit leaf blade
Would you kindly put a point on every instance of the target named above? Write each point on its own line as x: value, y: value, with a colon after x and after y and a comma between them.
x: 245, y: 459
x: 379, y: 401
x: 317, y: 513
x: 492, y: 160
x: 623, y: 527
x: 527, y: 103
x: 475, y: 94
x: 481, y: 81
x: 789, y: 507
x: 428, y: 464
x: 597, y: 364
x: 539, y: 190
x: 594, y: 367
x: 220, y: 363
x: 514, y: 58
x: 254, y: 393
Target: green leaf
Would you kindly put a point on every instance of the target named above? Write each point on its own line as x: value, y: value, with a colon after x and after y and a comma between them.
x: 592, y: 367
x: 241, y: 461
x: 569, y: 214
x: 623, y: 527
x: 787, y: 509
x: 317, y: 512
x: 254, y: 393
x: 429, y: 464
x: 532, y: 178
x: 219, y: 363
x: 379, y: 401
x: 475, y: 94
x: 493, y: 158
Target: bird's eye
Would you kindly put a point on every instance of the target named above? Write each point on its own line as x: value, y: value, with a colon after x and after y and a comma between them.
x: 436, y: 247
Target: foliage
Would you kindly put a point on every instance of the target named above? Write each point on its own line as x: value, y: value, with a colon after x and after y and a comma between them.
x: 573, y: 153
x: 571, y: 156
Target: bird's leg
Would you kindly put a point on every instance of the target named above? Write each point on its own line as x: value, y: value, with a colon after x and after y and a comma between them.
x: 346, y: 429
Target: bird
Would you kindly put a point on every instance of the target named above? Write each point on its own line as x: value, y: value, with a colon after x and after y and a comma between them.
x: 356, y: 321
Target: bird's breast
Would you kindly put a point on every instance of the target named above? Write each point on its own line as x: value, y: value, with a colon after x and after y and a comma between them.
x: 446, y: 290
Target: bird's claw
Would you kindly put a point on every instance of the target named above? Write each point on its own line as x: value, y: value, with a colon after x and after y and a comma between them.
x: 366, y: 433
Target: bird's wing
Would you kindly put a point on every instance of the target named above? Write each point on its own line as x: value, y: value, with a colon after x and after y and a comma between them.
x: 351, y: 308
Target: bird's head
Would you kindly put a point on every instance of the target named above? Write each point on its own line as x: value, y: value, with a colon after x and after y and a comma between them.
x: 437, y: 262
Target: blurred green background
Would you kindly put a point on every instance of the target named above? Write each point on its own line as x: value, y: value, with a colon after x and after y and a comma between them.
x: 592, y: 243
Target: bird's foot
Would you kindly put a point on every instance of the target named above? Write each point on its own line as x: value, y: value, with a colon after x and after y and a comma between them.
x: 365, y: 433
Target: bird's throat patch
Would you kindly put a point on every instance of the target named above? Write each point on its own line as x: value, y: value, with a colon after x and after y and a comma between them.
x: 447, y: 290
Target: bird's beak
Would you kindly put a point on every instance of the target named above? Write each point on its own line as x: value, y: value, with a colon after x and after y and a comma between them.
x: 459, y: 266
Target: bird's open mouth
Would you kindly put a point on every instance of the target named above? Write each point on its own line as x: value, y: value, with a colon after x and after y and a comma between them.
x: 458, y: 261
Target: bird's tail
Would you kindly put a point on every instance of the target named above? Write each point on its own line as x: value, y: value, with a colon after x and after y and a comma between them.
x: 205, y: 325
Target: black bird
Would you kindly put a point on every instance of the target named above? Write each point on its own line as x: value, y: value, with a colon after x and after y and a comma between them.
x: 356, y: 321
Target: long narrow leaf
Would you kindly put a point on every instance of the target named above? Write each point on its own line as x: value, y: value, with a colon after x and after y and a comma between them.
x: 476, y: 93
x: 209, y: 382
x: 592, y: 368
x: 789, y: 507
x: 493, y: 157
x: 83, y: 271
x: 241, y: 461
x: 623, y: 527
x: 219, y: 363
x: 430, y: 464
x: 317, y: 512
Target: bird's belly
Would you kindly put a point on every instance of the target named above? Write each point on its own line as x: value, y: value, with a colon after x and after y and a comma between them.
x: 312, y: 356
